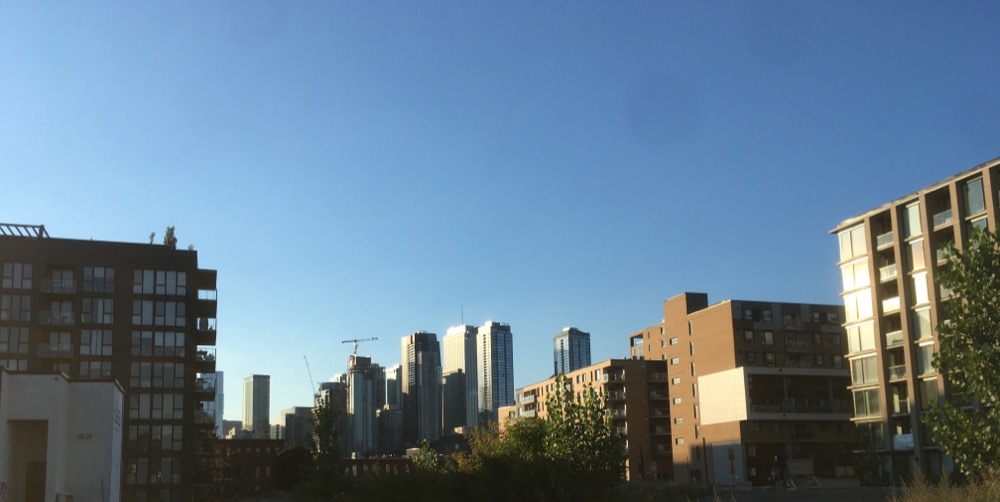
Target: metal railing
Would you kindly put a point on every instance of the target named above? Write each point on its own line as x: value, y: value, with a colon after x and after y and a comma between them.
x: 883, y: 240
x: 942, y: 218
x: 890, y: 305
x: 897, y: 372
x: 888, y: 272
x: 801, y: 406
x: 894, y: 337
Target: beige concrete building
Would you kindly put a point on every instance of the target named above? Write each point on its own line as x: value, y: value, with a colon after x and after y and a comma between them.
x: 637, y: 401
x: 752, y: 385
x: 889, y: 258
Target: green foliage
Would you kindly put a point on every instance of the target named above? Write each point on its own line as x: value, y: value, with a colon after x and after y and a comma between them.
x: 326, y: 429
x: 292, y: 467
x: 967, y: 427
x: 986, y: 489
x: 169, y: 240
x: 325, y: 480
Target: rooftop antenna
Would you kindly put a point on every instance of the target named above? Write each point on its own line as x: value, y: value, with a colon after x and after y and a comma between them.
x: 356, y: 341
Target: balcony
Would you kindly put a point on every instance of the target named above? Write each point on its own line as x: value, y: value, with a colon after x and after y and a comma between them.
x: 795, y: 324
x: 204, y: 386
x: 796, y: 346
x: 883, y: 241
x: 801, y: 406
x: 206, y: 331
x: 205, y: 359
x: 55, y: 350
x: 659, y: 394
x: 661, y: 412
x: 901, y: 406
x: 58, y: 286
x: 657, y: 377
x: 897, y: 372
x: 617, y: 413
x: 941, y: 219
x: 661, y: 430
x: 888, y: 272
x: 894, y: 337
x: 56, y: 318
x: 616, y: 396
x: 661, y: 448
x: 528, y: 399
x: 527, y: 413
x: 941, y: 255
x: 890, y: 305
x: 203, y: 418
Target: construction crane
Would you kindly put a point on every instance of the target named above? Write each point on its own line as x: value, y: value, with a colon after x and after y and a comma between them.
x: 312, y: 382
x: 356, y: 341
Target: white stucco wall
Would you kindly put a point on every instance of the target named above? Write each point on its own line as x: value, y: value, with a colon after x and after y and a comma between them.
x: 723, y: 396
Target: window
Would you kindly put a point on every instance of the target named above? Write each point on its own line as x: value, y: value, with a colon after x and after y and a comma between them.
x: 748, y: 335
x: 694, y: 390
x: 98, y: 311
x: 858, y: 305
x: 768, y: 338
x: 974, y: 201
x: 871, y: 435
x: 852, y: 242
x: 864, y: 370
x: 691, y: 347
x: 817, y: 339
x: 14, y: 364
x: 855, y: 275
x: 59, y: 346
x: 920, y: 288
x: 915, y: 254
x: 679, y: 440
x: 861, y: 337
x: 15, y: 308
x: 157, y: 375
x: 13, y: 340
x: 928, y: 393
x: 922, y: 324
x: 697, y: 431
x: 675, y: 380
x: 837, y: 361
x: 818, y: 359
x: 678, y: 420
x: 98, y: 280
x: 95, y: 369
x: 159, y: 282
x: 677, y: 400
x: 748, y: 314
x: 766, y: 316
x: 156, y: 406
x: 95, y: 342
x: 690, y: 328
x: 866, y: 403
x: 769, y: 358
x: 17, y: 276
x: 834, y: 340
x: 673, y: 341
x: 692, y: 369
x: 146, y: 312
x: 925, y: 354
x: 675, y: 360
x: 750, y: 357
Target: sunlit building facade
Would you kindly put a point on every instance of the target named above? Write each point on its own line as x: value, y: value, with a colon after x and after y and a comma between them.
x: 459, y: 386
x: 889, y: 259
x: 570, y: 350
x: 495, y: 367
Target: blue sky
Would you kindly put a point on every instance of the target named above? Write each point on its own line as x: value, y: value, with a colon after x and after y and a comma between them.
x: 357, y: 169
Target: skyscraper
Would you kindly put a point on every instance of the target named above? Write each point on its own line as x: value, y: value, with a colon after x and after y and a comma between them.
x: 256, y: 405
x: 571, y: 350
x: 141, y: 314
x: 421, y: 371
x: 890, y: 258
x: 365, y: 396
x: 460, y: 388
x: 495, y: 371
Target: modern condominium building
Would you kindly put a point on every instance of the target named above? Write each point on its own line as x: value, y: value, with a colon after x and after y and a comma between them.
x: 570, y: 350
x: 889, y: 258
x: 421, y: 386
x: 141, y: 314
x: 459, y: 387
x: 365, y: 396
x: 495, y: 360
x: 752, y: 386
x: 257, y: 405
x: 637, y: 401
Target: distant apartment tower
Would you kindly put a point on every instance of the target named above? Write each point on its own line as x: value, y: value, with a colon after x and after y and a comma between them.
x: 637, y: 403
x: 365, y: 396
x: 460, y: 387
x: 495, y: 360
x: 297, y: 424
x: 421, y: 372
x: 334, y: 393
x: 753, y: 386
x: 393, y: 386
x: 889, y: 260
x: 141, y: 314
x: 570, y: 350
x: 256, y: 405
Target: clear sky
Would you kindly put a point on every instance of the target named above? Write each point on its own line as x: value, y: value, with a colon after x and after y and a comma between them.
x: 358, y: 169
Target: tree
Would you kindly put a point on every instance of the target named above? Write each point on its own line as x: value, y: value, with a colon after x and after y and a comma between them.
x: 967, y: 425
x: 326, y: 429
x: 169, y: 240
x: 326, y: 478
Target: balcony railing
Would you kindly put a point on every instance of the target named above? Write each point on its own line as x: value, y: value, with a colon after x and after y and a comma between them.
x: 617, y: 413
x: 55, y: 350
x: 204, y: 385
x: 204, y: 417
x: 528, y: 413
x: 205, y: 354
x: 616, y: 396
x: 657, y: 377
x: 528, y: 399
x: 796, y: 345
x: 942, y: 218
x: 659, y: 394
x: 890, y: 305
x: 888, y: 272
x: 58, y: 286
x: 56, y: 318
x: 801, y: 406
x: 884, y: 240
x: 894, y: 337
x: 661, y: 412
x: 901, y: 406
x: 897, y: 372
x: 661, y: 429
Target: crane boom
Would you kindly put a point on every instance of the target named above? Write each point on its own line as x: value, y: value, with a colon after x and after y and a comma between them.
x: 311, y: 381
x: 356, y: 341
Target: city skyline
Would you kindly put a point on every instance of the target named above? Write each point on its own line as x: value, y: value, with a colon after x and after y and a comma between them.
x: 340, y: 164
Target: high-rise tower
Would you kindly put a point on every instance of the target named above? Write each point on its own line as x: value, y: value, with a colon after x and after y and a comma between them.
x: 570, y: 350
x: 421, y: 372
x: 256, y: 405
x: 495, y: 371
x: 460, y: 388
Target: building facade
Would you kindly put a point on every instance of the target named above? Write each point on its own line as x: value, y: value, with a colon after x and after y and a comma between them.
x: 753, y: 386
x: 495, y: 368
x: 213, y: 382
x: 570, y: 350
x: 365, y: 396
x: 297, y: 424
x: 459, y: 386
x: 421, y: 388
x: 257, y: 405
x: 637, y: 401
x: 141, y: 314
x: 889, y: 259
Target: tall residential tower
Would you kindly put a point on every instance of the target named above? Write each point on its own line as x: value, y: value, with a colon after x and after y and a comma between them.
x: 421, y: 372
x: 256, y: 405
x: 460, y: 388
x: 495, y: 360
x: 570, y: 350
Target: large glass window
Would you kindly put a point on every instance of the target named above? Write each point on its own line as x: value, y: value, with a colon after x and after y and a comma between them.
x: 922, y: 324
x: 858, y: 305
x: 915, y: 255
x: 98, y: 280
x: 871, y: 435
x: 920, y: 288
x: 911, y: 220
x: 974, y: 201
x: 15, y: 308
x: 160, y: 282
x: 852, y: 243
x: 13, y: 340
x: 861, y: 337
x: 95, y: 342
x: 17, y: 276
x: 866, y: 403
x: 928, y: 393
x: 855, y: 275
x: 98, y: 311
x: 925, y: 355
x: 864, y: 370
